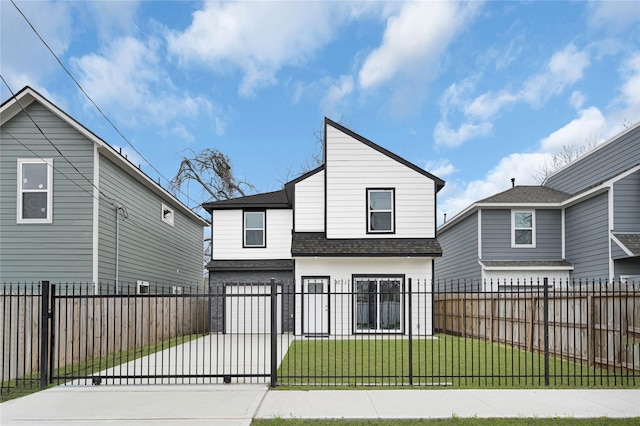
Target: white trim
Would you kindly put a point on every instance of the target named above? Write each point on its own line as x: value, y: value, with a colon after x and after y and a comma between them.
x: 619, y: 243
x: 610, y: 219
x: 479, y: 233
x: 48, y: 190
x: 563, y: 238
x: 96, y: 218
x: 526, y: 268
x: 533, y: 229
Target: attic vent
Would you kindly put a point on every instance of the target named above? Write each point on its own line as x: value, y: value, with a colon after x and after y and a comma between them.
x: 167, y: 214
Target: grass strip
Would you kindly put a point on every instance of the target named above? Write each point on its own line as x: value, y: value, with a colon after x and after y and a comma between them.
x: 444, y: 361
x: 29, y: 384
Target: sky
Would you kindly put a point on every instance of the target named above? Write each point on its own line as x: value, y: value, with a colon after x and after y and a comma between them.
x: 475, y: 92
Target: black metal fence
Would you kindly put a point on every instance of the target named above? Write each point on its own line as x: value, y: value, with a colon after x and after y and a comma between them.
x: 369, y: 332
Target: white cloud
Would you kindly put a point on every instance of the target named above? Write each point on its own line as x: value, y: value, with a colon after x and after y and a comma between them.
x: 563, y: 69
x: 613, y: 16
x: 440, y: 168
x: 259, y: 38
x: 25, y: 60
x: 444, y: 135
x: 577, y: 99
x: 414, y: 39
x: 336, y: 94
x: 579, y: 132
x: 127, y: 79
x: 112, y: 18
x: 591, y: 125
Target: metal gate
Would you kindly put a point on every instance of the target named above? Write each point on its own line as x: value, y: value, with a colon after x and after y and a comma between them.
x: 155, y: 339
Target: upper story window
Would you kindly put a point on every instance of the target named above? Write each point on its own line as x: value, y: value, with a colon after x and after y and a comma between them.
x: 523, y: 229
x: 380, y: 211
x: 167, y: 214
x: 35, y: 190
x: 254, y: 229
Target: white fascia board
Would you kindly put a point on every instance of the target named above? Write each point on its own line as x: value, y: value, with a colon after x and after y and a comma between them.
x: 28, y: 96
x: 622, y: 246
x: 463, y: 214
x: 525, y: 268
x: 597, y: 190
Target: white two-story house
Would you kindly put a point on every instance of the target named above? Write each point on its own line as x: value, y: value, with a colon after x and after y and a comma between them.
x: 342, y: 241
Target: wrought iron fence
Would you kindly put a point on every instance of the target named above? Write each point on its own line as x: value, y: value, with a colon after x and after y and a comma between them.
x: 384, y: 331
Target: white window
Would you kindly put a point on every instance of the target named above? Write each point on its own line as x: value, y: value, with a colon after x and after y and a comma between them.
x: 254, y: 229
x: 380, y: 211
x: 378, y: 304
x: 523, y: 229
x: 167, y: 214
x: 35, y: 190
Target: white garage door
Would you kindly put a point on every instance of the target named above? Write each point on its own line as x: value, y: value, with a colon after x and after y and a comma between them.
x: 248, y: 309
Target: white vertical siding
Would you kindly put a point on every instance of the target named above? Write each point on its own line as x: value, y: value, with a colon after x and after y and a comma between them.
x: 309, y: 208
x: 227, y: 236
x: 351, y: 168
x: 340, y: 271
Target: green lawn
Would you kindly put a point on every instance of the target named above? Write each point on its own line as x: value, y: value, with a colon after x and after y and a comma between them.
x: 452, y: 421
x: 445, y: 361
x: 27, y: 385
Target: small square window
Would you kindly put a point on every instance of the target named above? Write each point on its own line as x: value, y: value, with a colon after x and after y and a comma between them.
x: 35, y: 190
x: 254, y: 229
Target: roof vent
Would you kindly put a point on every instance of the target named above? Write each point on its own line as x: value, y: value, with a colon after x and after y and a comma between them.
x: 513, y: 182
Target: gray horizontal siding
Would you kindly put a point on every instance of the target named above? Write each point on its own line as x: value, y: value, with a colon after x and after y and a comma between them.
x: 587, y: 238
x: 604, y: 163
x: 150, y: 250
x: 629, y: 266
x: 63, y: 250
x: 617, y: 252
x: 496, y: 236
x: 459, y: 259
x: 626, y: 204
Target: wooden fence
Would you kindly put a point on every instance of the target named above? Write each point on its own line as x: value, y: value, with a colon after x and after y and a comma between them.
x: 86, y: 327
x: 595, y: 327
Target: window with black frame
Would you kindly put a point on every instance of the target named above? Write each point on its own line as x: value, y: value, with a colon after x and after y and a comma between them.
x: 378, y: 304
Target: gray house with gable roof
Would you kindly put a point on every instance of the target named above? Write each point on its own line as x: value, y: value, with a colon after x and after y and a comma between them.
x: 75, y: 210
x: 582, y: 223
x: 360, y: 225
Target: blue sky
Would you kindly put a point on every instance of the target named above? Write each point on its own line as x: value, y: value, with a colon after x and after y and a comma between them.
x: 475, y: 92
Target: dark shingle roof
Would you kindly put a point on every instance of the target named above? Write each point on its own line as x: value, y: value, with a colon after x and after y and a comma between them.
x: 316, y: 244
x: 525, y: 263
x: 630, y: 241
x: 528, y: 194
x: 251, y: 265
x: 271, y: 200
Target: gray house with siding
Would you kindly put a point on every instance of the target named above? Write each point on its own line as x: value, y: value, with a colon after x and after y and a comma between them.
x: 581, y: 224
x: 74, y: 210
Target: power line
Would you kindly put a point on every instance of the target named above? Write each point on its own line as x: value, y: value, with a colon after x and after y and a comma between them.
x: 110, y: 199
x: 95, y: 105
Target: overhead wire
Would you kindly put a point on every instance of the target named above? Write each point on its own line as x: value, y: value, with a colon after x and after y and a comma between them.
x: 96, y: 106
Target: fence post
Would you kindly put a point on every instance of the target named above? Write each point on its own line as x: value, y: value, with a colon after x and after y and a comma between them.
x: 545, y: 283
x: 52, y: 330
x: 410, y: 310
x: 44, y: 333
x: 274, y: 332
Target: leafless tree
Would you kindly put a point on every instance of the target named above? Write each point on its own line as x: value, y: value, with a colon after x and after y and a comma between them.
x: 211, y: 169
x: 568, y: 153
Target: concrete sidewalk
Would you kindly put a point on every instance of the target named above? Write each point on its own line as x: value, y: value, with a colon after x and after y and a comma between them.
x: 237, y: 405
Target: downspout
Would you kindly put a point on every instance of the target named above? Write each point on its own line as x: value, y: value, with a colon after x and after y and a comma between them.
x: 117, y: 247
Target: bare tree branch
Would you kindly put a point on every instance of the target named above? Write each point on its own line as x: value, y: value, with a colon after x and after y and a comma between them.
x: 567, y: 154
x: 211, y: 169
